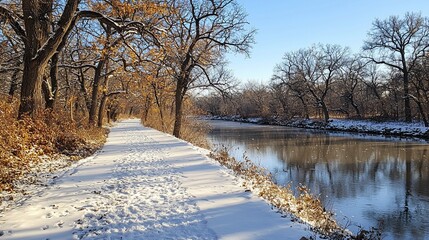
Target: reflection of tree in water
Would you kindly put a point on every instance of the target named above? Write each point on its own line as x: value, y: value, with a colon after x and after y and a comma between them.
x: 341, y: 168
x: 409, y: 218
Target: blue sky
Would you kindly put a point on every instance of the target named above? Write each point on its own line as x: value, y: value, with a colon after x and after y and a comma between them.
x: 288, y: 25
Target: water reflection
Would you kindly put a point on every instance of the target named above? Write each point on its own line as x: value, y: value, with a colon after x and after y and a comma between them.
x: 371, y: 180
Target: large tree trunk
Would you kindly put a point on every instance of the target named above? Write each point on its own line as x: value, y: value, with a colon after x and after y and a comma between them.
x: 37, y: 25
x: 31, y: 89
x: 106, y: 79
x: 179, y: 109
x: 40, y: 46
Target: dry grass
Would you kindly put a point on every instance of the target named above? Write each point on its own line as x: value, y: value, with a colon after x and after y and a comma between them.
x: 28, y: 141
x: 193, y: 131
x: 304, y: 206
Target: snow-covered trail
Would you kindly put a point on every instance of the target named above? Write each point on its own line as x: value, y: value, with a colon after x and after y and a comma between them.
x: 145, y: 184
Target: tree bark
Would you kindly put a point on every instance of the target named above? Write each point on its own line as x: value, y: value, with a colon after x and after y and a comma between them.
x: 13, y: 84
x: 52, y: 91
x: 421, y: 110
x: 95, y: 89
x: 40, y: 46
x: 159, y: 105
x: 304, y: 104
x: 101, y: 110
x: 31, y: 89
x: 354, y: 105
x: 325, y: 111
x: 179, y: 109
x: 82, y: 88
x: 407, y: 105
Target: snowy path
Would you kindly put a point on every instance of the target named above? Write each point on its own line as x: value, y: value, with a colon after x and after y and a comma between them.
x: 145, y: 184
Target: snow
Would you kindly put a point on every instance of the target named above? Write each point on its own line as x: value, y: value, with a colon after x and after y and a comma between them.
x: 387, y: 128
x: 410, y: 129
x: 145, y: 184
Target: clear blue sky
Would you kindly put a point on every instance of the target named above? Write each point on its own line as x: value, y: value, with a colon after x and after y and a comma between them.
x: 288, y: 25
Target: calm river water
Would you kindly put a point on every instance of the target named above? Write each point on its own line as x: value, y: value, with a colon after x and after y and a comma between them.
x: 368, y: 181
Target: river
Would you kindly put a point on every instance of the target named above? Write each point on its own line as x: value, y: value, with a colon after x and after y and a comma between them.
x: 366, y: 180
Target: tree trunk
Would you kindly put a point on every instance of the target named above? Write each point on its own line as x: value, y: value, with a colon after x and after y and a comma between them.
x: 325, y: 111
x: 31, y: 89
x: 407, y: 105
x: 304, y: 104
x: 146, y: 109
x: 36, y: 24
x: 40, y: 46
x: 13, y: 84
x: 51, y: 89
x: 101, y: 110
x: 355, y: 106
x: 95, y: 89
x: 421, y: 111
x: 159, y: 105
x: 179, y: 109
x: 81, y: 78
x: 106, y: 79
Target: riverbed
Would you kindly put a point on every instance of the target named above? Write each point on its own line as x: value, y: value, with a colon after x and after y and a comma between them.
x: 366, y: 180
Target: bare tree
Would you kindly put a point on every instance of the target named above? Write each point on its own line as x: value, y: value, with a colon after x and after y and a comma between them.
x: 420, y: 82
x: 399, y: 44
x: 350, y: 78
x: 201, y: 32
x: 313, y: 70
x: 284, y: 74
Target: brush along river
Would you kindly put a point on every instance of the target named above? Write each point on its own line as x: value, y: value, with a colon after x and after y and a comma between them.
x: 366, y: 180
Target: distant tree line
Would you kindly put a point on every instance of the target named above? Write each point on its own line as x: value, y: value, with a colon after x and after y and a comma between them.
x: 388, y: 79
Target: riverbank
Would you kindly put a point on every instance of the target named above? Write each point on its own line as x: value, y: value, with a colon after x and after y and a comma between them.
x: 145, y: 184
x: 388, y: 128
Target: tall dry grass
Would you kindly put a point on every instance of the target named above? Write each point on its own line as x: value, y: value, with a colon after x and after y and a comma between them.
x: 192, y: 131
x: 304, y: 206
x: 30, y: 141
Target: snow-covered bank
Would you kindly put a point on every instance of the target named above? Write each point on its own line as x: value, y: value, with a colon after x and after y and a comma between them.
x: 145, y: 184
x: 390, y: 128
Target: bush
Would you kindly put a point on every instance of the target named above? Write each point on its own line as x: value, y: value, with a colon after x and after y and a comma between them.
x: 30, y: 141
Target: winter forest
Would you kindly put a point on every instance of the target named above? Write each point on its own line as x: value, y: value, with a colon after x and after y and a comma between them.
x: 70, y: 68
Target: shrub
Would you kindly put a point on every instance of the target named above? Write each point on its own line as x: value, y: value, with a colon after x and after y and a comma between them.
x: 29, y: 141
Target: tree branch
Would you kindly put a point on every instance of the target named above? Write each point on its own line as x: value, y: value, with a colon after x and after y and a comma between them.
x: 6, y: 13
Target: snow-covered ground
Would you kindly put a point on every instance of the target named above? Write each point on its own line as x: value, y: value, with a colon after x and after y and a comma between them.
x: 389, y: 128
x: 145, y: 184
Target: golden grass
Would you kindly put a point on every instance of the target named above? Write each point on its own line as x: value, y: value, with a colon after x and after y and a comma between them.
x: 193, y: 131
x: 304, y: 206
x: 29, y: 141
